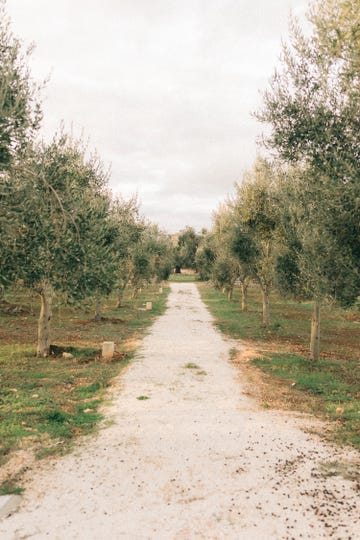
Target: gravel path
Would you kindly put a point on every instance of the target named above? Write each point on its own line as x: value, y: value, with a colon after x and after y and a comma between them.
x: 196, y: 460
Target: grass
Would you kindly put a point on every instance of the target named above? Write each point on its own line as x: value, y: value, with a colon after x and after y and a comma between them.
x: 191, y: 365
x: 331, y: 385
x: 10, y: 488
x: 47, y: 403
x: 184, y: 278
x: 336, y: 385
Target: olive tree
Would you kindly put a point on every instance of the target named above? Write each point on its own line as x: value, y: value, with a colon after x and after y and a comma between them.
x: 205, y: 255
x: 254, y: 236
x: 313, y: 108
x: 152, y: 257
x: 65, y: 242
x: 163, y: 255
x: 227, y: 268
x: 313, y: 264
x: 185, y: 250
x: 131, y: 227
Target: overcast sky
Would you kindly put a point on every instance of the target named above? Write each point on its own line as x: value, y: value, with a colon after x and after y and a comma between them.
x: 163, y: 89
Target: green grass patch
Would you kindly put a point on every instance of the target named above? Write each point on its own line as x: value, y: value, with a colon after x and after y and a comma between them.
x: 334, y: 380
x: 229, y: 317
x: 47, y: 403
x: 88, y: 391
x: 10, y: 488
x: 335, y: 383
x: 184, y: 278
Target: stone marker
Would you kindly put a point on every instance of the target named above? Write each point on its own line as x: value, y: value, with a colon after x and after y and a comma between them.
x: 149, y: 306
x: 8, y: 504
x: 107, y: 351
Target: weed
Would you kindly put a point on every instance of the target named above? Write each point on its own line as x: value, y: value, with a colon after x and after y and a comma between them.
x: 142, y: 398
x: 55, y: 416
x: 10, y: 488
x: 191, y: 365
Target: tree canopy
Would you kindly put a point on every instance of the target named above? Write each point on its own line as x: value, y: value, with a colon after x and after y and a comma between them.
x: 313, y: 101
x: 185, y: 251
x: 20, y: 116
x: 20, y: 108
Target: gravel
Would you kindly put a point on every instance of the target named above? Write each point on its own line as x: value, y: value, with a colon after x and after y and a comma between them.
x: 197, y: 459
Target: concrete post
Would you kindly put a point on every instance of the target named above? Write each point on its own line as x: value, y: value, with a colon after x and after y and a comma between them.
x: 107, y: 351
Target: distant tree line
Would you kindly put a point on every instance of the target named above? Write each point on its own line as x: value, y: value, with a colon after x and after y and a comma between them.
x: 62, y: 231
x: 294, y: 221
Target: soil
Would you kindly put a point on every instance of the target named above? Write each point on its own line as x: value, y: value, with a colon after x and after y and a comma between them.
x: 186, y: 454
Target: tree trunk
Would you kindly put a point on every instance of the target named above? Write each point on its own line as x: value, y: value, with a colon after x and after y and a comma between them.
x: 315, y: 332
x: 46, y: 295
x: 230, y: 294
x: 244, y: 289
x: 135, y: 293
x: 266, y: 310
x: 97, y: 310
x: 120, y: 297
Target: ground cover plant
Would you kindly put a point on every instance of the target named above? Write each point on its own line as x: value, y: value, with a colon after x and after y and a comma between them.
x: 330, y: 386
x: 46, y: 403
x: 183, y: 278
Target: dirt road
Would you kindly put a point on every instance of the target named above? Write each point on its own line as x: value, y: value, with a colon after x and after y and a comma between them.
x: 196, y: 460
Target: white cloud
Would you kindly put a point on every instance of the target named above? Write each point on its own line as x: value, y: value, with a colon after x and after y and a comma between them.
x: 164, y: 89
